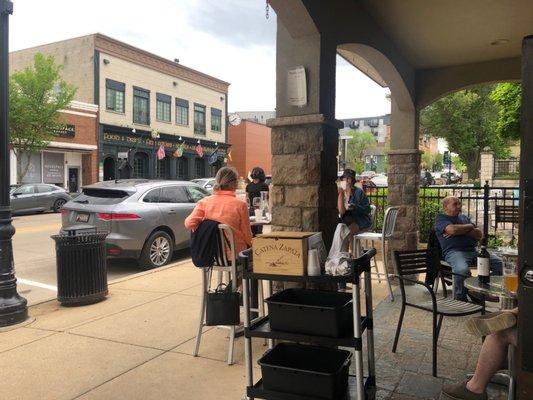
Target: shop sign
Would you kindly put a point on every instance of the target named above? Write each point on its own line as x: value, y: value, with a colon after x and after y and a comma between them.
x: 66, y: 131
x: 53, y: 167
x: 149, y: 142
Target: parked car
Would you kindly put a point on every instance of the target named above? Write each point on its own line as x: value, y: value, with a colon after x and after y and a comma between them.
x: 37, y: 197
x: 144, y: 218
x: 380, y: 180
x: 442, y: 178
x: 206, y: 183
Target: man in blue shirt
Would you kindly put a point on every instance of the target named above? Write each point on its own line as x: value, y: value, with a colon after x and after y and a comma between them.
x: 458, y: 237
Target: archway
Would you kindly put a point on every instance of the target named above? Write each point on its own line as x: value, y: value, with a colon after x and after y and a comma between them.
x: 109, y: 168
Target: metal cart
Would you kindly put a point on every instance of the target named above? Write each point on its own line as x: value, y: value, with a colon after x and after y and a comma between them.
x: 365, y: 388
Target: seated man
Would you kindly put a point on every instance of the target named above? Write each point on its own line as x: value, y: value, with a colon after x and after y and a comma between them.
x: 500, y: 333
x: 458, y: 238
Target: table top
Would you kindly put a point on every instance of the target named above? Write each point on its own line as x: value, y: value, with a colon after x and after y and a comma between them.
x: 263, y: 221
x: 494, y: 288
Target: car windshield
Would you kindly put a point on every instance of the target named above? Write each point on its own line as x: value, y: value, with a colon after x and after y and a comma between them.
x: 12, y: 188
x: 101, y: 196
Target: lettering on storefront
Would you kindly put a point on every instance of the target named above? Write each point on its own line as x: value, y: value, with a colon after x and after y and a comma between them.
x: 148, y: 142
x: 53, y: 167
x: 66, y: 131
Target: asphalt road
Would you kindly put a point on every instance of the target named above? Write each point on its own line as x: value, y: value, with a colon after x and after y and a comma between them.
x: 35, y: 263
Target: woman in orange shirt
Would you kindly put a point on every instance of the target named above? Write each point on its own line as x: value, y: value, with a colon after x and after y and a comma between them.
x: 224, y: 207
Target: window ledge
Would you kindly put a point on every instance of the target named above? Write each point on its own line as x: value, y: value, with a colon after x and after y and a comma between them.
x: 115, y: 112
x: 163, y: 121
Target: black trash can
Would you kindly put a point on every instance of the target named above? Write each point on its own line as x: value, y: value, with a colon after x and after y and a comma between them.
x: 81, y: 265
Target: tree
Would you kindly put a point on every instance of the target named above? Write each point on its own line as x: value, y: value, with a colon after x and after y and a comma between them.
x: 357, y: 145
x: 508, y: 97
x: 467, y: 120
x: 36, y: 94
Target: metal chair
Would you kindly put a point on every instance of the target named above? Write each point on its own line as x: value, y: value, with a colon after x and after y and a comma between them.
x: 417, y: 262
x: 389, y: 222
x: 223, y: 266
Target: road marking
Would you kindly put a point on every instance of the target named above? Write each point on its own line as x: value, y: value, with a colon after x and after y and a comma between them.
x: 38, y: 228
x: 37, y: 284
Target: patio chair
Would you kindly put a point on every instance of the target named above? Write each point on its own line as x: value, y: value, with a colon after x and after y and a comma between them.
x: 223, y: 266
x: 389, y: 222
x: 414, y: 262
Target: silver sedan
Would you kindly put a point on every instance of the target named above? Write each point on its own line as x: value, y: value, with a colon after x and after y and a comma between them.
x: 144, y: 218
x: 38, y: 197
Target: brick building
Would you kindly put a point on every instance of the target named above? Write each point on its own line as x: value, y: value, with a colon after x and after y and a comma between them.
x: 71, y: 159
x: 250, y: 147
x: 138, y: 93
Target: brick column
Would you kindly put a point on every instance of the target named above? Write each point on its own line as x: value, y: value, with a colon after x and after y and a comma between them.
x: 404, y: 181
x: 304, y: 169
x: 486, y: 172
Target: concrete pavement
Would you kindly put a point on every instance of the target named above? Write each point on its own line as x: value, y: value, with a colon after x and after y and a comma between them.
x: 137, y: 344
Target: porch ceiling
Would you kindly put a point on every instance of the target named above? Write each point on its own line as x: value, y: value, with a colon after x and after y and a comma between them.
x: 440, y: 33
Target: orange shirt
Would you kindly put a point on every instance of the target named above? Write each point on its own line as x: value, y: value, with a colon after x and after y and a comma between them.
x: 222, y: 206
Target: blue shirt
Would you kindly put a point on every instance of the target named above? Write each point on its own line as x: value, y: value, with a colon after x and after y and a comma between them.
x: 457, y: 242
x: 359, y: 207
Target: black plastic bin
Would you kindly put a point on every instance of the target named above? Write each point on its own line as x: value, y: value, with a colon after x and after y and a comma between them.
x: 81, y: 265
x: 318, y: 372
x: 311, y: 312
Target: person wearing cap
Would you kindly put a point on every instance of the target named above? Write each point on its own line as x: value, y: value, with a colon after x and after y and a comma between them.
x: 352, y: 204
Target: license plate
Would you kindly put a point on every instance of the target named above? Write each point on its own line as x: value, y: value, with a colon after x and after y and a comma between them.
x: 82, y: 217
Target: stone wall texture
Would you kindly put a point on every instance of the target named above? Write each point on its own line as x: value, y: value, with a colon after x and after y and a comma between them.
x: 304, y: 169
x: 404, y: 181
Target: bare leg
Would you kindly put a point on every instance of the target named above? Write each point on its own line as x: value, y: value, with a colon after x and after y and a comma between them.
x: 491, y: 358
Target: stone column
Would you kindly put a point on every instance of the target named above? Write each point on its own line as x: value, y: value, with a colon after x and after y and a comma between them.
x: 404, y: 176
x: 304, y: 168
x: 486, y: 172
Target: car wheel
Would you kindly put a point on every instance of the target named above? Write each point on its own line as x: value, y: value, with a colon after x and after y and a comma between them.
x: 58, y: 204
x: 157, y: 251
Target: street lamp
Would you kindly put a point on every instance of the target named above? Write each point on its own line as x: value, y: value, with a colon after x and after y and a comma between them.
x: 155, y: 136
x: 13, y: 309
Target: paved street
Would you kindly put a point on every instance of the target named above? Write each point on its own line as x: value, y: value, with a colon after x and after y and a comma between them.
x: 34, y: 254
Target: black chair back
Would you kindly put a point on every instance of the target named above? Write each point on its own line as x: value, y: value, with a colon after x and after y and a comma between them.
x: 411, y: 262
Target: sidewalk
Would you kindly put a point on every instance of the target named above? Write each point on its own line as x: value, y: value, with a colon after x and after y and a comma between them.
x: 138, y: 343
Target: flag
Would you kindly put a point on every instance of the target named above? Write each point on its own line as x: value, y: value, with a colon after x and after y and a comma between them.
x: 161, y: 152
x: 213, y: 158
x: 229, y: 156
x: 179, y: 151
x: 199, y: 150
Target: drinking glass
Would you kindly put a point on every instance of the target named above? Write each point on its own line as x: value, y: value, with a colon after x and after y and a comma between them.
x: 510, y: 276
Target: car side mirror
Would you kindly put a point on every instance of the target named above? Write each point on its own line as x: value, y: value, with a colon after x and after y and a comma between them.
x: 208, y: 186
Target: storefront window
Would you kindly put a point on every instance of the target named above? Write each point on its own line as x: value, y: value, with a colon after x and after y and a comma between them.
x: 33, y: 172
x: 162, y: 169
x: 199, y: 167
x: 182, y: 168
x: 140, y: 165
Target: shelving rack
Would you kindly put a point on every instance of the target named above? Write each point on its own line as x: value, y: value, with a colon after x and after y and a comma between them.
x: 365, y: 388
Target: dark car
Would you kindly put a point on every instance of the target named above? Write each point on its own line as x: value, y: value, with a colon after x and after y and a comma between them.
x: 37, y: 197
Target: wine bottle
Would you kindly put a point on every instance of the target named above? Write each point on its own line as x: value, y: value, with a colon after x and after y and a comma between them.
x: 483, y: 266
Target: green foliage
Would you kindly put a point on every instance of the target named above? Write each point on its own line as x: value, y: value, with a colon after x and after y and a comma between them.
x: 467, y: 120
x: 508, y: 97
x: 459, y: 165
x: 494, y: 241
x: 36, y: 94
x: 432, y: 162
x: 356, y: 147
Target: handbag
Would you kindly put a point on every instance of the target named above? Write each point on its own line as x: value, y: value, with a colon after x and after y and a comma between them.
x: 222, y: 306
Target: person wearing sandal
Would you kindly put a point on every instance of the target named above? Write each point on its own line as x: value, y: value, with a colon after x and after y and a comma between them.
x: 499, y: 329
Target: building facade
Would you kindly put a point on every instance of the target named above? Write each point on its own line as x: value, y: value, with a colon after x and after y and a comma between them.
x: 71, y: 159
x: 145, y: 102
x: 250, y: 147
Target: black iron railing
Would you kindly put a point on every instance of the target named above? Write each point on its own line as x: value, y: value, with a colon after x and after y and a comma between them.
x: 507, y: 168
x: 493, y: 208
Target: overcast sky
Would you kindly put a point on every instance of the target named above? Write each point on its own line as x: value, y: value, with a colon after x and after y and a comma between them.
x: 228, y: 39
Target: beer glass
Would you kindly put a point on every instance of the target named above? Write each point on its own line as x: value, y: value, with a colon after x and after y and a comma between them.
x: 510, y: 276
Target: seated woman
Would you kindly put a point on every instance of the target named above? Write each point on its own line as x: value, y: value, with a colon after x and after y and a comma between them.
x: 352, y: 204
x: 224, y: 207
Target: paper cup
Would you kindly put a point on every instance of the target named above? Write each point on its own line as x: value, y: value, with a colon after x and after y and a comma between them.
x: 313, y: 263
x: 258, y: 215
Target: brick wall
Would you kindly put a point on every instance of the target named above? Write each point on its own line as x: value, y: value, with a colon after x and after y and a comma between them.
x: 250, y: 147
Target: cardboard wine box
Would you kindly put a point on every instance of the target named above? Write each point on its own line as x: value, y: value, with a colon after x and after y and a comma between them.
x: 284, y: 253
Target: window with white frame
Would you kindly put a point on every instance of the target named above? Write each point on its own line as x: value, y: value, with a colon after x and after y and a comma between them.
x: 182, y: 112
x: 163, y: 107
x: 141, y: 106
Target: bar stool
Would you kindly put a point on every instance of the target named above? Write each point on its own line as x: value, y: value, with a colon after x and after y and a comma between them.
x: 389, y: 222
x: 230, y: 268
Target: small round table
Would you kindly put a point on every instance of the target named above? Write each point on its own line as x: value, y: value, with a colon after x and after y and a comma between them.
x: 508, y: 301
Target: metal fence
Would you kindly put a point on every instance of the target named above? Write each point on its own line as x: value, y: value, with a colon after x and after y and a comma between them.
x: 507, y: 168
x: 497, y: 224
